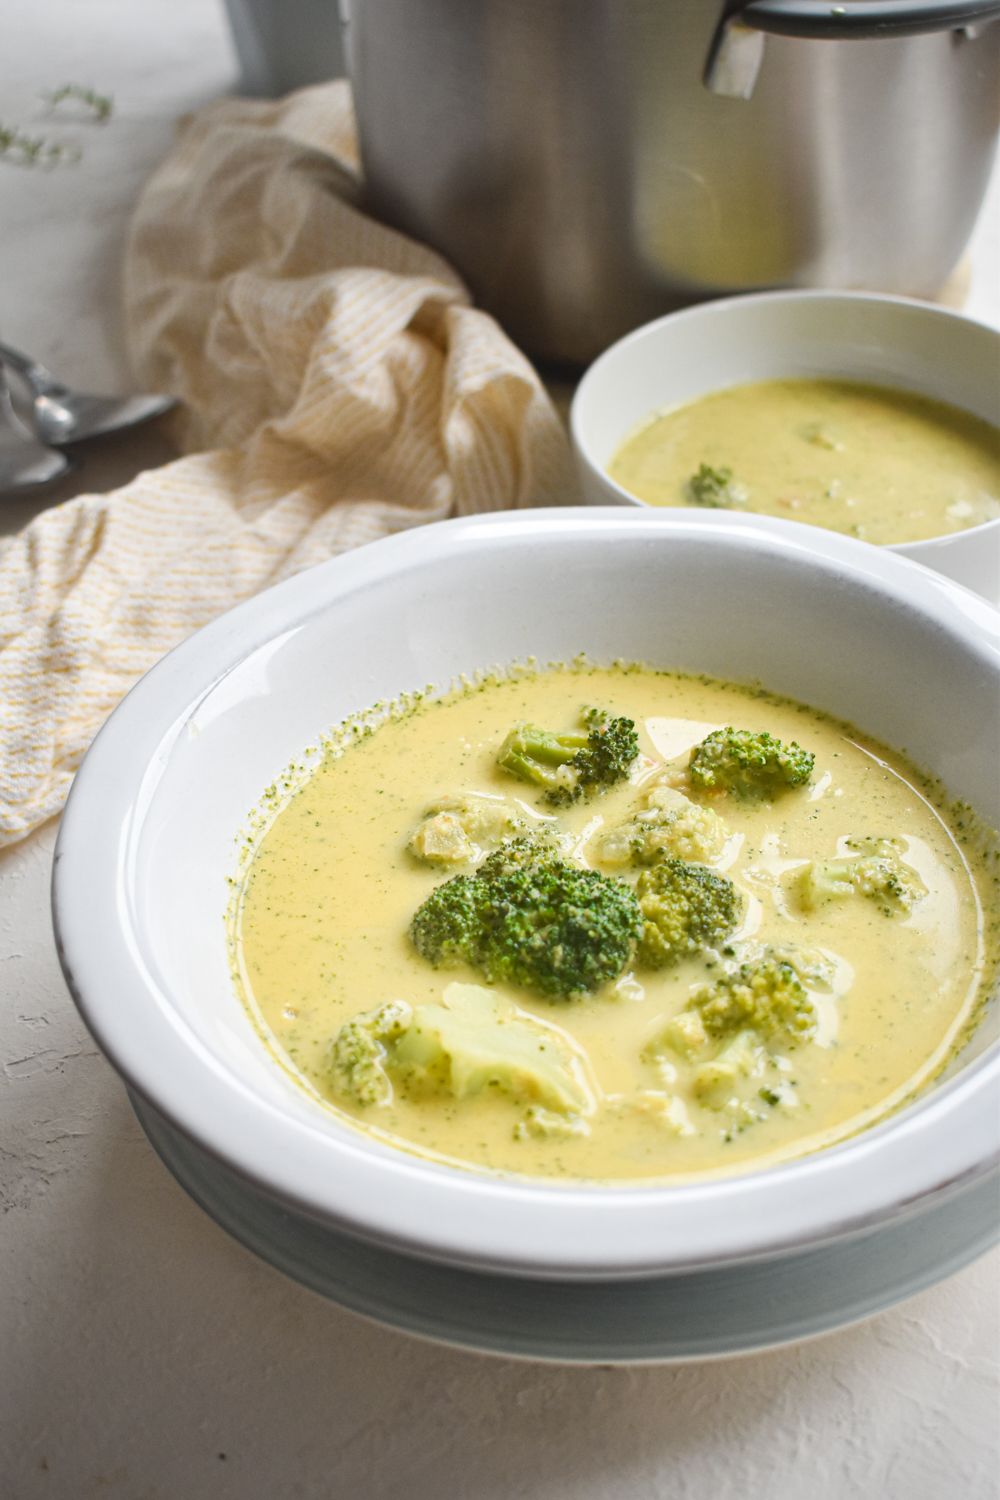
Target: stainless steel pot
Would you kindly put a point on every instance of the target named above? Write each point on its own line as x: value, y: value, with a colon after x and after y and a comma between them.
x: 590, y: 164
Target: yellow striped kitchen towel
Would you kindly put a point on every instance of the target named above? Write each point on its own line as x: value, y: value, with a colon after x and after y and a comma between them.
x: 337, y: 386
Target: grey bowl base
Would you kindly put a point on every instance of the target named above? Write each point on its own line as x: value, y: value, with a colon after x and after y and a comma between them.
x: 698, y: 1315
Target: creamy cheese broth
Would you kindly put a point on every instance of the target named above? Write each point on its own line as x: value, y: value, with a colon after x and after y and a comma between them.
x: 320, y: 925
x: 880, y: 464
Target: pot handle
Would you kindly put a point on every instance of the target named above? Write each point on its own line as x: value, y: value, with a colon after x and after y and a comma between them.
x: 862, y: 18
x: 738, y: 45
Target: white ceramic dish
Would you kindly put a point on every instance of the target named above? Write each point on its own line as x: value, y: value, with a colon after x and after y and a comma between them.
x: 883, y: 340
x: 148, y: 839
x: 651, y: 1319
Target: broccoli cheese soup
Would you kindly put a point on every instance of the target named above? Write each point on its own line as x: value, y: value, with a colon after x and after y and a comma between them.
x: 612, y: 924
x: 880, y: 464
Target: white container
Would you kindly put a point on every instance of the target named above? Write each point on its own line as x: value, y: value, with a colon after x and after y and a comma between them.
x: 850, y: 335
x: 148, y: 840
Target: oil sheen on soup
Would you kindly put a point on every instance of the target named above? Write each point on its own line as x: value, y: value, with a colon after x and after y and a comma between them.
x: 879, y: 464
x: 775, y: 963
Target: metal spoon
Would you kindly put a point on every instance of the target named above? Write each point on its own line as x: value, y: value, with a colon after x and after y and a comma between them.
x: 24, y: 460
x: 63, y: 416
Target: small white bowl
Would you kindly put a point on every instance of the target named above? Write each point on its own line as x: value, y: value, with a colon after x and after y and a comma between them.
x: 148, y: 840
x: 852, y: 335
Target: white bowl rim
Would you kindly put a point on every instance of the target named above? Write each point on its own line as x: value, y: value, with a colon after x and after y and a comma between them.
x: 948, y: 1139
x: 720, y: 307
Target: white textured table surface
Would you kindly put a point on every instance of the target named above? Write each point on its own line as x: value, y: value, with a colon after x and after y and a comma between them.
x: 144, y: 1355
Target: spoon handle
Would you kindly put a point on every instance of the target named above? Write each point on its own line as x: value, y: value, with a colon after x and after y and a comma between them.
x: 41, y: 380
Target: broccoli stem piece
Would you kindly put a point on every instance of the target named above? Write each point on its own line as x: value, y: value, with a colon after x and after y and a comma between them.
x: 460, y: 830
x: 575, y: 763
x: 537, y: 755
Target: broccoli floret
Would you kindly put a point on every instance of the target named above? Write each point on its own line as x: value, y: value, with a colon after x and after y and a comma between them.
x: 528, y: 918
x: 748, y: 764
x: 767, y: 995
x: 715, y: 488
x: 684, y: 907
x: 719, y: 1082
x: 475, y: 1039
x: 612, y: 746
x: 740, y: 1084
x: 471, y: 1041
x: 734, y: 1075
x: 873, y: 869
x: 522, y: 853
x: 574, y: 764
x: 360, y: 1049
x: 666, y: 823
x: 727, y: 1030
x: 460, y: 830
x: 448, y: 928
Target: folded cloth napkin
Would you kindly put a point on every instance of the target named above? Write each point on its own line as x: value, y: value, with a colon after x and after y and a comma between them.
x: 337, y: 386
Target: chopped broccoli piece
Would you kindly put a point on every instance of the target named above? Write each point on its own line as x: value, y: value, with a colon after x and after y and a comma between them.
x: 684, y: 1034
x: 813, y: 967
x: 667, y: 823
x: 360, y: 1049
x: 717, y: 1082
x: 715, y: 488
x: 441, y: 839
x: 748, y: 764
x: 540, y: 756
x: 734, y: 1075
x: 767, y: 995
x: 574, y: 764
x: 528, y: 918
x: 618, y: 846
x: 874, y: 869
x: 546, y: 1124
x: 475, y: 1040
x: 460, y: 830
x: 684, y: 907
x: 733, y: 1085
x: 522, y: 853
x: 471, y: 1041
x: 727, y: 1031
x: 612, y: 746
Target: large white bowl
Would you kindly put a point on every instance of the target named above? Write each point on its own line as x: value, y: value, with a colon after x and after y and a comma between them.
x: 148, y: 840
x: 853, y: 335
